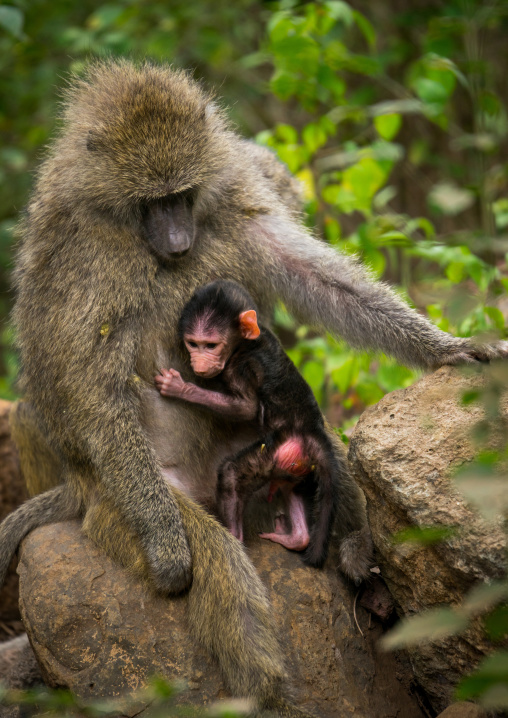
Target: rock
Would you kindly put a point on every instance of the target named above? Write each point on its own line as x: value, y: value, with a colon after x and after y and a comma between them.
x: 403, y: 452
x: 18, y: 667
x: 101, y: 633
x: 18, y: 670
x: 463, y: 710
x: 12, y: 494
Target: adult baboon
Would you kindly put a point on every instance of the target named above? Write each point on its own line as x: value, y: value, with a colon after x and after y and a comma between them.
x: 145, y: 195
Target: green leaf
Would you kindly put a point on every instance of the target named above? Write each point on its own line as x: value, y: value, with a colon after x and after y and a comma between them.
x: 162, y: 688
x: 279, y: 26
x: 292, y: 156
x: 348, y: 202
x: 469, y: 397
x: 287, y: 133
x: 490, y: 103
x: 283, y: 84
x: 331, y: 193
x: 496, y: 624
x: 314, y: 374
x: 456, y: 272
x: 314, y: 136
x: 387, y: 126
x: 430, y: 91
x: 283, y: 318
x: 332, y: 230
x: 500, y: 208
x: 485, y: 489
x: 482, y: 598
x: 394, y: 376
x: 369, y: 391
x: 298, y: 54
x: 421, y: 223
x: 394, y: 239
x: 425, y: 628
x: 376, y: 260
x: 335, y: 55
x: 344, y: 376
x: 105, y: 16
x: 344, y: 438
x: 496, y: 316
x: 340, y: 11
x: 364, y: 179
x: 493, y: 670
x: 366, y: 28
x: 424, y: 535
x: 11, y: 19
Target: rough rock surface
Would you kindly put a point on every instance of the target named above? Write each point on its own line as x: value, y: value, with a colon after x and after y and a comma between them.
x: 12, y: 494
x: 463, y: 710
x: 403, y: 452
x: 101, y: 633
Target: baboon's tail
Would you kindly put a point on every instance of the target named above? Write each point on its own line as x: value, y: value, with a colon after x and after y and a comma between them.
x: 231, y: 615
x: 54, y: 505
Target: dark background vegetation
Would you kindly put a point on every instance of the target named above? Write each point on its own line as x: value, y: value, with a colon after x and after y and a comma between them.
x: 392, y: 114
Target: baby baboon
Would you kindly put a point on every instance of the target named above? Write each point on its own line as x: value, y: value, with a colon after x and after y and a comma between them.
x: 145, y: 195
x: 293, y: 453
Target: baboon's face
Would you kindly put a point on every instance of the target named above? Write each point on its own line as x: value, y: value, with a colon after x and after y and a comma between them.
x: 168, y: 225
x: 209, y: 351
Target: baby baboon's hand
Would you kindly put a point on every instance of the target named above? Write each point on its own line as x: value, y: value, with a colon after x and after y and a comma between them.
x: 170, y: 383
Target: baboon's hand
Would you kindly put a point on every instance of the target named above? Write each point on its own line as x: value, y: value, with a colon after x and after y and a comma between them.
x: 467, y: 352
x: 171, y: 562
x: 170, y: 383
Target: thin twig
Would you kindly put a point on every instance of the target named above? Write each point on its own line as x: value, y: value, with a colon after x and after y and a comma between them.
x: 354, y: 613
x: 7, y: 629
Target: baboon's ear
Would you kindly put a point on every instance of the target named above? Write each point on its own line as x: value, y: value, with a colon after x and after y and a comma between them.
x: 249, y: 324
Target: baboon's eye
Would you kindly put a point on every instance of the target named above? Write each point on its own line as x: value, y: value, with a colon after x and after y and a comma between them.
x: 211, y: 345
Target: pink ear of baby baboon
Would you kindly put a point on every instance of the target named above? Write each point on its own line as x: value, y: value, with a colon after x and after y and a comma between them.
x: 249, y: 324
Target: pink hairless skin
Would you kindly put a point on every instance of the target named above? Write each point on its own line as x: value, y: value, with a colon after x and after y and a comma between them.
x: 290, y: 458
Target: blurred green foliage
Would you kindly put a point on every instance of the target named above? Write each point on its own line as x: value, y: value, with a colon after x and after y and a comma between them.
x: 395, y: 121
x: 385, y: 114
x: 158, y: 699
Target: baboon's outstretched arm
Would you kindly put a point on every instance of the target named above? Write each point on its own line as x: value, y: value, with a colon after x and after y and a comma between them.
x: 325, y: 288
